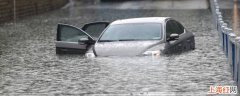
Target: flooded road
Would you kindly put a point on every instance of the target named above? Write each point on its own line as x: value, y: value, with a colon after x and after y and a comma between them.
x: 29, y: 65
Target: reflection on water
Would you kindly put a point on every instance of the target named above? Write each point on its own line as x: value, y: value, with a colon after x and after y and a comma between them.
x: 235, y: 18
x: 155, y: 4
x: 14, y: 11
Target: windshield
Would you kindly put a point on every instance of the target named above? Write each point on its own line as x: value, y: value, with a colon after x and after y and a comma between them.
x: 131, y: 32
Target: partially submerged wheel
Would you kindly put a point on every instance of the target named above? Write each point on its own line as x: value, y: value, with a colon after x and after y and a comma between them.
x: 192, y: 45
x: 58, y: 51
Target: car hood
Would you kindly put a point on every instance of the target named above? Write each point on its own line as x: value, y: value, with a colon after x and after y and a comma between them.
x: 124, y: 48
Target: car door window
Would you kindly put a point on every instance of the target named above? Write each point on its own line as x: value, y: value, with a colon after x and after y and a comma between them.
x: 173, y: 27
x: 70, y: 33
x: 95, y: 29
x: 180, y: 28
x: 170, y: 28
x: 71, y: 39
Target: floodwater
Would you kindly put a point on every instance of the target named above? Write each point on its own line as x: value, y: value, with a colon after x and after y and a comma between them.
x: 30, y: 67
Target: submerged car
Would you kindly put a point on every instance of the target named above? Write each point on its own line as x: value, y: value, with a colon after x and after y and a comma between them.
x: 127, y: 37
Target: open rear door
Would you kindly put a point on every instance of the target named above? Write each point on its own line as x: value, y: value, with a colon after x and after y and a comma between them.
x: 95, y: 29
x: 72, y: 40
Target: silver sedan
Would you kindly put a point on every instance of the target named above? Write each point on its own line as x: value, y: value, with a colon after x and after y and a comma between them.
x: 127, y: 37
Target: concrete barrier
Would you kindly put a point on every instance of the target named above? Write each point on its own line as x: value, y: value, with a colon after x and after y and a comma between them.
x: 229, y: 42
x: 13, y: 9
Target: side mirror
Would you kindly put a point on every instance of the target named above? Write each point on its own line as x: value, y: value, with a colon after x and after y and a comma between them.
x: 85, y: 40
x: 173, y: 37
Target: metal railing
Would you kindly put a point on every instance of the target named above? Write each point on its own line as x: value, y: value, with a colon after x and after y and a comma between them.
x: 229, y: 41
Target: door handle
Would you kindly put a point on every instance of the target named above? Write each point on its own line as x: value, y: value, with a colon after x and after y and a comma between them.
x: 81, y: 43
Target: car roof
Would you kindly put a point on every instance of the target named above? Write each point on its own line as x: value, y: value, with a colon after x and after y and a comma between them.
x: 141, y: 20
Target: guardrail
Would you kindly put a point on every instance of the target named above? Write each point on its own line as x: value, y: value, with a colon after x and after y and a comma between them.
x: 229, y: 41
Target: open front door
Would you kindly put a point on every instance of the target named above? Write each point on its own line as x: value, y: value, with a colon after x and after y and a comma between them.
x: 72, y: 40
x: 95, y: 29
